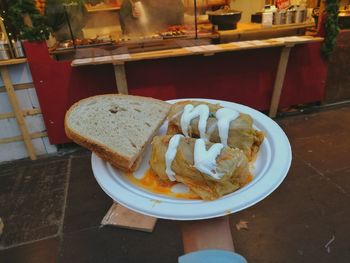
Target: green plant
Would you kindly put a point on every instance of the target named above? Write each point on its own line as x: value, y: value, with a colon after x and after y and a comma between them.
x: 331, y: 27
x: 37, y: 31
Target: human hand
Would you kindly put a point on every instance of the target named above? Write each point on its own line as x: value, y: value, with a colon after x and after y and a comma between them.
x: 135, y: 10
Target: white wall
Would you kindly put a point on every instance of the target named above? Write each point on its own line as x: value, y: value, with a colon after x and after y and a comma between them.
x: 247, y: 7
x: 9, y: 128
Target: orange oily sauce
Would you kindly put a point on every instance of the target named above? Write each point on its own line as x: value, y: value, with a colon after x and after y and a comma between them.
x: 151, y: 182
x: 249, y: 179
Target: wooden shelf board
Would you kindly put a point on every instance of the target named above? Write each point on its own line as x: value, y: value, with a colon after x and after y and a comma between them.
x: 29, y: 112
x: 249, y: 28
x: 12, y: 61
x: 35, y: 135
x: 234, y: 46
x: 19, y: 86
x: 101, y: 9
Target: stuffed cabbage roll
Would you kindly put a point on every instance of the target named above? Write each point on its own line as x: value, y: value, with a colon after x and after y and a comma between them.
x: 209, y: 170
x: 217, y: 124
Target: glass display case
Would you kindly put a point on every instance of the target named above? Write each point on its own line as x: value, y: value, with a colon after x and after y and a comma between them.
x: 83, y: 28
x: 132, y: 24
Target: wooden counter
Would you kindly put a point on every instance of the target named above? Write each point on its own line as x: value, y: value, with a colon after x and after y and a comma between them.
x: 14, y: 61
x: 250, y: 31
x: 207, y: 50
x: 245, y: 76
x: 103, y: 8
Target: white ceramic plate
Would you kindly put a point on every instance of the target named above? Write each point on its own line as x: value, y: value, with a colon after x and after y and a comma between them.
x: 270, y: 168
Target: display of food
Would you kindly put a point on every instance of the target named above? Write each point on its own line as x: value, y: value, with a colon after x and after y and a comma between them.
x: 176, y: 31
x: 179, y: 28
x: 216, y: 124
x: 145, y: 38
x: 172, y: 34
x: 99, y: 40
x: 209, y: 170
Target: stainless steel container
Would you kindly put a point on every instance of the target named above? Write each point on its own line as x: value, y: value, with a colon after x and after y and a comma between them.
x: 18, y: 49
x: 279, y: 17
x: 290, y: 17
x: 4, y: 50
x: 300, y: 15
x: 267, y: 19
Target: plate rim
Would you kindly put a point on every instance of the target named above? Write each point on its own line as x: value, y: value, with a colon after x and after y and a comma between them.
x: 155, y: 208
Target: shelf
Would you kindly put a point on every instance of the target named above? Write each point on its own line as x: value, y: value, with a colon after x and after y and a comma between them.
x: 258, y: 28
x: 12, y: 61
x: 101, y: 9
x: 196, y: 50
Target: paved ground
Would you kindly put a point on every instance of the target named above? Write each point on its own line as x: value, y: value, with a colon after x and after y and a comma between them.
x: 52, y: 207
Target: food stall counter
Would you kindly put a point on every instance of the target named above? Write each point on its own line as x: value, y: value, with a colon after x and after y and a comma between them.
x: 250, y: 31
x: 287, y: 43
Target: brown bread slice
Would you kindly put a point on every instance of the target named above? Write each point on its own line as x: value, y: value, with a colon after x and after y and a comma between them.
x: 116, y: 127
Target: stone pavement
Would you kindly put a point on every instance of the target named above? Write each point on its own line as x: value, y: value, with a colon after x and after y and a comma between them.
x: 52, y: 207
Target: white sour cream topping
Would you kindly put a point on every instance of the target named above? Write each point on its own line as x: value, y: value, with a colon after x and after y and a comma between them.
x: 205, y: 161
x: 224, y: 117
x: 190, y: 113
x: 170, y: 155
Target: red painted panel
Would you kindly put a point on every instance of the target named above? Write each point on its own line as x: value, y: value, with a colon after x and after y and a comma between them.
x: 245, y: 77
x: 305, y: 77
x: 58, y: 86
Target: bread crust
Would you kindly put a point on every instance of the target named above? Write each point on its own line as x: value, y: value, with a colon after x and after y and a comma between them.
x: 119, y: 161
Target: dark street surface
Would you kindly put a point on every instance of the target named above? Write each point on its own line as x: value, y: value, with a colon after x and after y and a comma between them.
x: 52, y: 207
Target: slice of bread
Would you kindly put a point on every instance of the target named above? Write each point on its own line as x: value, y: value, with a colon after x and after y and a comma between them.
x: 116, y: 127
